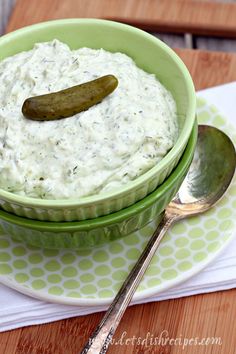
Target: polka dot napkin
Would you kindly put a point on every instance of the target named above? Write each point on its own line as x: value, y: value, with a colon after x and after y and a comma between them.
x: 90, y: 279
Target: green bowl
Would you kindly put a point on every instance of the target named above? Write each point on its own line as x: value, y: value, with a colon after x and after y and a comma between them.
x: 94, y: 232
x: 150, y: 54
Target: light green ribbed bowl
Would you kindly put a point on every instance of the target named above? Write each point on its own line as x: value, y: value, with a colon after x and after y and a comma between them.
x: 94, y: 232
x: 151, y: 55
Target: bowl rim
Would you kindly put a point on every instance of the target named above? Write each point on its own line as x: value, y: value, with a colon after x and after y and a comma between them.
x: 116, y: 217
x: 131, y: 185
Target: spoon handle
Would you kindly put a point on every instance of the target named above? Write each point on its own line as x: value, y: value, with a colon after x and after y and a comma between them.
x: 102, y: 336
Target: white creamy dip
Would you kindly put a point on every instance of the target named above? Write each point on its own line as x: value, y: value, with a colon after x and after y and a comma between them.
x: 95, y: 151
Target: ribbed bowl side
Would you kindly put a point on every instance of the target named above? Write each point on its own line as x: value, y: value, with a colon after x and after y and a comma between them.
x: 90, y: 211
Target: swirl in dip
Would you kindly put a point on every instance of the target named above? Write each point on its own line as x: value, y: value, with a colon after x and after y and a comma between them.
x: 94, y: 151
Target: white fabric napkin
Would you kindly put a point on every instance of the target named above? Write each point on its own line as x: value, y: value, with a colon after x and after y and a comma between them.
x: 18, y: 310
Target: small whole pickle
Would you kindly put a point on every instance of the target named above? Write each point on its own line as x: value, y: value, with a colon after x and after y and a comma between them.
x: 68, y: 102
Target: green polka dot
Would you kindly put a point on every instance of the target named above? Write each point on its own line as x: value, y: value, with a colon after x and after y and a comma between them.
x: 118, y: 262
x: 184, y: 266
x: 183, y: 253
x: 119, y: 275
x: 52, y: 266
x: 105, y: 294
x: 54, y: 278
x: 37, y: 272
x: 100, y: 256
x: 213, y: 246
x: 68, y: 258
x: 130, y: 267
x: 4, y: 243
x: 33, y: 248
x: 38, y: 284
x: 71, y: 284
x: 169, y: 274
x: 145, y: 236
x: 133, y: 254
x: 84, y: 253
x: 102, y: 270
x: 144, y: 243
x: 21, y: 277
x: 4, y: 257
x: 213, y: 109
x: 141, y: 287
x: 224, y: 213
x: 197, y: 245
x: 85, y: 264
x: 70, y: 272
x: 155, y: 259
x: 115, y: 248
x: 213, y: 235
x: 196, y: 232
x: 55, y: 290
x: 225, y: 225
x: 74, y: 294
x: 153, y: 270
x: 233, y: 190
x: 104, y: 283
x: 219, y: 120
x: 169, y: 262
x: 210, y: 223
x: 193, y: 220
x: 87, y: 278
x: 203, y: 117
x: 181, y: 241
x: 179, y: 228
x: 166, y: 250
x: 166, y: 238
x: 225, y: 237
x: 15, y: 238
x: 19, y: 251
x: 116, y: 287
x: 147, y: 231
x: 88, y: 289
x: 5, y: 269
x: 131, y: 240
x: 153, y: 282
x: 200, y: 102
x: 20, y: 264
x: 35, y: 258
x: 221, y: 203
x: 50, y: 253
x: 200, y: 256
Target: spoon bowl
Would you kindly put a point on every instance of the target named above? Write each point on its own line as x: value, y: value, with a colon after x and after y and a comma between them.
x: 209, y: 176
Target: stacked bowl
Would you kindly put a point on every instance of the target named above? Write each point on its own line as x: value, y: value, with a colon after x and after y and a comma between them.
x: 90, y: 221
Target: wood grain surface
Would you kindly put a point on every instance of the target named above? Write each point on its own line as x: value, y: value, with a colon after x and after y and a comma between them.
x: 193, y: 16
x: 202, y: 316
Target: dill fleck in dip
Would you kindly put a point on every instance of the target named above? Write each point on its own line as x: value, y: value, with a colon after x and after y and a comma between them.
x: 94, y: 151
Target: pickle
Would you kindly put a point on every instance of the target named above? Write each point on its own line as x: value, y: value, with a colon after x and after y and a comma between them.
x: 68, y: 102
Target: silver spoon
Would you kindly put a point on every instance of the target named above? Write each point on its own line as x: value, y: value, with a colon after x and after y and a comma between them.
x: 209, y: 176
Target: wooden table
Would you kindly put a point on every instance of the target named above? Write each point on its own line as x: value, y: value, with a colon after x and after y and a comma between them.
x: 210, y: 315
x: 192, y: 16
